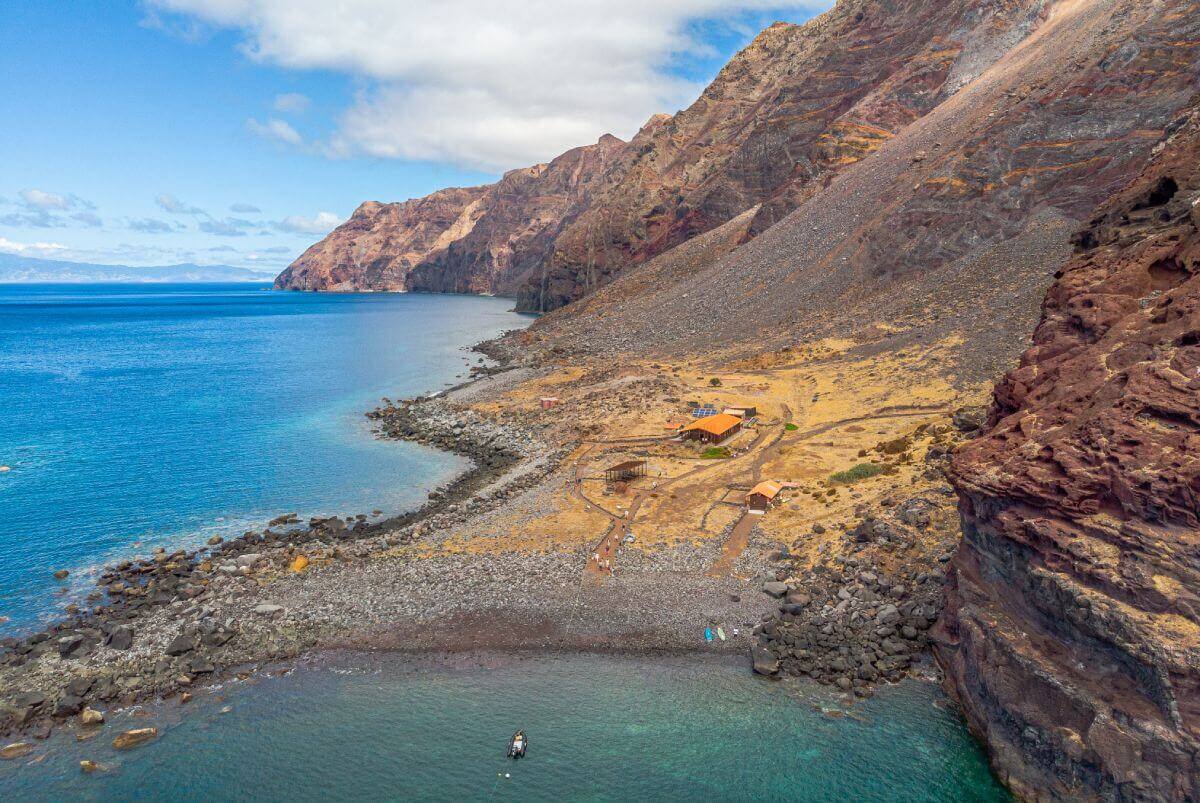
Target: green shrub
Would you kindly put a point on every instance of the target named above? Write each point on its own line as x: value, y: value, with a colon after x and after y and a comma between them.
x: 714, y: 382
x: 714, y: 453
x: 860, y: 472
x: 790, y: 427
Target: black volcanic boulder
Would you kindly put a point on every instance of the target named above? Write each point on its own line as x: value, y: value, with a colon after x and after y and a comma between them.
x: 119, y: 638
x: 76, y: 645
x: 68, y: 705
x: 183, y: 643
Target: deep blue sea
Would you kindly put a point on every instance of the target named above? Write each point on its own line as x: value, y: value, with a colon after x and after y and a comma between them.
x: 139, y: 415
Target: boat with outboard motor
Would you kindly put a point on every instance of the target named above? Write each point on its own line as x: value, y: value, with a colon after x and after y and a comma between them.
x: 517, y: 745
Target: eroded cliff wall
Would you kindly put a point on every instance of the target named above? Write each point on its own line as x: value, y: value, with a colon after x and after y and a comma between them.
x: 1072, y: 629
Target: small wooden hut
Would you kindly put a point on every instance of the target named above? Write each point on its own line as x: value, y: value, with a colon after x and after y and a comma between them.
x: 742, y: 411
x: 764, y: 495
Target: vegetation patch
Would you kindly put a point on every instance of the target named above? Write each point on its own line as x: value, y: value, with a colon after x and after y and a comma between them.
x: 714, y: 453
x: 860, y: 472
x: 790, y: 427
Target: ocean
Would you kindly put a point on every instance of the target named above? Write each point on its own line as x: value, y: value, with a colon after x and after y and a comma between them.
x: 144, y: 415
x: 374, y: 728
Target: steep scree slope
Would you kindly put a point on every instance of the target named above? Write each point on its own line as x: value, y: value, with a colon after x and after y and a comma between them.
x: 1072, y: 628
x: 796, y: 107
x: 911, y: 235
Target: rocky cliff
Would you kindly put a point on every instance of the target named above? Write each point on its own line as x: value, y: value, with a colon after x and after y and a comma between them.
x: 475, y: 240
x: 798, y: 106
x: 1072, y: 629
x: 954, y: 225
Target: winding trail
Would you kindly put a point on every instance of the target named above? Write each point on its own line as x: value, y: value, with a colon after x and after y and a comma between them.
x: 605, y: 552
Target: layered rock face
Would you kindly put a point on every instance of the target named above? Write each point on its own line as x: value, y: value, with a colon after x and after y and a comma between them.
x: 1072, y: 628
x: 473, y: 240
x: 798, y: 106
x: 380, y: 243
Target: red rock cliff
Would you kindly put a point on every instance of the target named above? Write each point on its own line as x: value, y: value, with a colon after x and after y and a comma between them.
x: 1072, y: 630
x: 798, y: 106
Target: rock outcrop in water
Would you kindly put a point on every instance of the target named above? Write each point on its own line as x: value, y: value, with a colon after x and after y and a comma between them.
x: 1072, y: 630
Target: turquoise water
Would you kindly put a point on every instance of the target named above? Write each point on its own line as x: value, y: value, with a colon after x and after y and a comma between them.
x: 600, y: 728
x: 138, y: 415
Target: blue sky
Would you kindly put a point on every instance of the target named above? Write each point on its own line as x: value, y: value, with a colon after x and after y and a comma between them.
x: 239, y: 131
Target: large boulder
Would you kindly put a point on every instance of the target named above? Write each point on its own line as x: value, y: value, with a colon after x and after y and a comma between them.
x: 775, y: 589
x: 182, y: 644
x: 119, y: 638
x: 134, y: 738
x: 67, y: 705
x: 765, y: 661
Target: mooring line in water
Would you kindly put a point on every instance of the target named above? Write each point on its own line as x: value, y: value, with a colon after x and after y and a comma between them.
x: 496, y: 783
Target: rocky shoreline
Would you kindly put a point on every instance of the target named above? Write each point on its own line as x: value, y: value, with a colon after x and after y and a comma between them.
x: 165, y: 626
x: 159, y: 625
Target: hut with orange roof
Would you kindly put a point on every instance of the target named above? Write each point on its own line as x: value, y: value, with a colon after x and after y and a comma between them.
x: 712, y: 428
x: 764, y: 495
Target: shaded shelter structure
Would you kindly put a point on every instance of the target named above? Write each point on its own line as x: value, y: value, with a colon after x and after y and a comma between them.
x: 621, y: 472
x: 713, y: 428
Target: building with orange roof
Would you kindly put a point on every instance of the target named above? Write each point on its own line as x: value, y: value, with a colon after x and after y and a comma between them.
x: 712, y: 428
x: 764, y: 495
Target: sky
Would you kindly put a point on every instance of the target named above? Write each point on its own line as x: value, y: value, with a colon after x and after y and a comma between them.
x: 239, y: 132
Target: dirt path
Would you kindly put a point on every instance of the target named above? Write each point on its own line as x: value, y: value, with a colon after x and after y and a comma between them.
x: 908, y: 411
x: 735, y: 545
x: 739, y: 536
x: 602, y: 561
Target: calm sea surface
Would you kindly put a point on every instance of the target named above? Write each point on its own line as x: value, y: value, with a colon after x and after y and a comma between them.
x: 600, y: 728
x: 135, y: 415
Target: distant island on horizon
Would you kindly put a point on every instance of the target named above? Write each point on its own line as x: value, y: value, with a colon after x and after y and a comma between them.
x: 16, y: 269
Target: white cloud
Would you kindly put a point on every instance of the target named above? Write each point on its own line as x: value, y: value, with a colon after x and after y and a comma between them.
x: 292, y: 103
x: 244, y: 209
x: 151, y: 225
x: 486, y: 83
x: 41, y: 209
x: 323, y: 223
x: 229, y: 227
x: 39, y: 199
x: 276, y: 129
x: 175, y: 206
x: 29, y: 248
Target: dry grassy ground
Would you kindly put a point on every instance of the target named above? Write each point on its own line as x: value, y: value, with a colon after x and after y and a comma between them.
x: 822, y: 408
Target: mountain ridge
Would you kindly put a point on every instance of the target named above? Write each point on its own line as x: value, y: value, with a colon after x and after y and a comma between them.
x: 795, y: 107
x: 16, y: 269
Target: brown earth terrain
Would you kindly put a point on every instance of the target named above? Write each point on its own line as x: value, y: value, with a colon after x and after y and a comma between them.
x: 1072, y: 632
